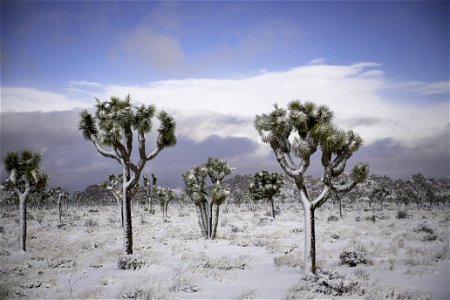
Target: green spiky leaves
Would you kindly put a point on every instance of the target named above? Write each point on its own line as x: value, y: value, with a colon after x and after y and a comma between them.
x: 166, y: 130
x: 265, y: 185
x: 24, y: 166
x: 360, y: 172
x: 195, y: 180
x: 87, y: 125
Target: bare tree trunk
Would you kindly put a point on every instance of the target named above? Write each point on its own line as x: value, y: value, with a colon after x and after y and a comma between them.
x: 200, y: 220
x: 210, y: 210
x: 340, y: 207
x: 23, y: 221
x: 127, y: 227
x: 313, y: 242
x: 272, y: 207
x: 216, y: 221
x: 59, y: 209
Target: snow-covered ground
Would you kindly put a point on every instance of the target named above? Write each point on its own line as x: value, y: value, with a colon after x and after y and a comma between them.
x: 253, y: 256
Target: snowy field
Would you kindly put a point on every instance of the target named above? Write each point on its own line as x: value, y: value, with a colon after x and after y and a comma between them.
x: 366, y: 254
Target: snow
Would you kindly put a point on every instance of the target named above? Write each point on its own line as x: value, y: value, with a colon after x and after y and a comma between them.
x: 254, y: 256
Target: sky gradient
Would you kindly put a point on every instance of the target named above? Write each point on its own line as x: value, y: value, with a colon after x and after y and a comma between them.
x: 382, y: 67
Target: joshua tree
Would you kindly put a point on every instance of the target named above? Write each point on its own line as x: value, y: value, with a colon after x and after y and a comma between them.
x: 25, y: 177
x: 150, y: 190
x: 112, y: 129
x: 266, y: 185
x: 379, y: 194
x: 62, y: 196
x: 299, y: 131
x: 77, y: 197
x: 207, y: 201
x: 165, y: 196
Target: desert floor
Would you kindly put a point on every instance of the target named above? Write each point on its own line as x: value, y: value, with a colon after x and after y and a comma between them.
x: 254, y: 256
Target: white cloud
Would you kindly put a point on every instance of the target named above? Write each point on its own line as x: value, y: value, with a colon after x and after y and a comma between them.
x: 317, y: 61
x: 204, y: 105
x: 27, y: 99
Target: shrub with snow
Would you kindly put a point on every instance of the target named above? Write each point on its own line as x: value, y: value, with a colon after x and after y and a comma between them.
x: 354, y: 258
x: 131, y: 262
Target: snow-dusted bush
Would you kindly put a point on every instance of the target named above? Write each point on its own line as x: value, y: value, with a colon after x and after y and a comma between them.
x: 131, y: 262
x: 354, y: 258
x: 182, y: 282
x: 401, y: 214
x: 332, y: 219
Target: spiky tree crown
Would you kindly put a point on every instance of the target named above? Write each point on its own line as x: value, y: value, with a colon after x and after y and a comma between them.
x: 265, y: 185
x: 24, y: 166
x: 302, y: 129
x: 115, y: 118
x: 194, y: 180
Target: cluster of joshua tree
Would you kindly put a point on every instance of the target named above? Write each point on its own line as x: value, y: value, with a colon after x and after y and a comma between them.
x: 294, y: 133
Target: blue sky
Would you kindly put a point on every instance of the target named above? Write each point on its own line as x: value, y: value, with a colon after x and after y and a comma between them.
x: 47, y: 44
x: 383, y: 67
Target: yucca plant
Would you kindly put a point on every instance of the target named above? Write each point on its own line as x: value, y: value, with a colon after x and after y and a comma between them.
x: 112, y: 129
x: 25, y: 177
x: 295, y: 133
x: 265, y: 186
x: 207, y: 200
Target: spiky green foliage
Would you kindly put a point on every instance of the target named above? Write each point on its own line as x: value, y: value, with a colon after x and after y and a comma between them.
x: 266, y: 185
x: 205, y: 199
x: 112, y: 129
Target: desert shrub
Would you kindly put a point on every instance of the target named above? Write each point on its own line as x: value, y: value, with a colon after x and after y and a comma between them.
x: 423, y: 228
x: 358, y: 219
x: 30, y: 217
x: 332, y: 219
x: 247, y: 294
x: 224, y: 263
x: 90, y: 223
x: 93, y: 210
x: 2, y: 229
x: 353, y: 258
x: 296, y: 230
x: 131, y: 262
x: 327, y: 283
x: 401, y: 214
x: 362, y: 273
x: 335, y: 236
x: 183, y: 283
x: 371, y: 218
x: 235, y: 229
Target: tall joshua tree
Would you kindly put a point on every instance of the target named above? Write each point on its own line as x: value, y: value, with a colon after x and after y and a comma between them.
x: 207, y: 200
x: 111, y: 129
x: 295, y: 134
x: 266, y: 185
x: 150, y: 191
x: 165, y: 196
x: 25, y: 177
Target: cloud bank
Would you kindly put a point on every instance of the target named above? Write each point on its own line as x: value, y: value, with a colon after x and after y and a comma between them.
x: 215, y: 117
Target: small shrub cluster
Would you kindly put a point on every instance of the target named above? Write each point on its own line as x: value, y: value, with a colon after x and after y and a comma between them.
x: 2, y: 229
x: 93, y: 210
x: 371, y: 218
x: 335, y: 236
x: 401, y: 214
x: 183, y: 283
x: 354, y: 258
x: 131, y: 262
x: 327, y: 283
x: 332, y: 219
x: 90, y: 223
